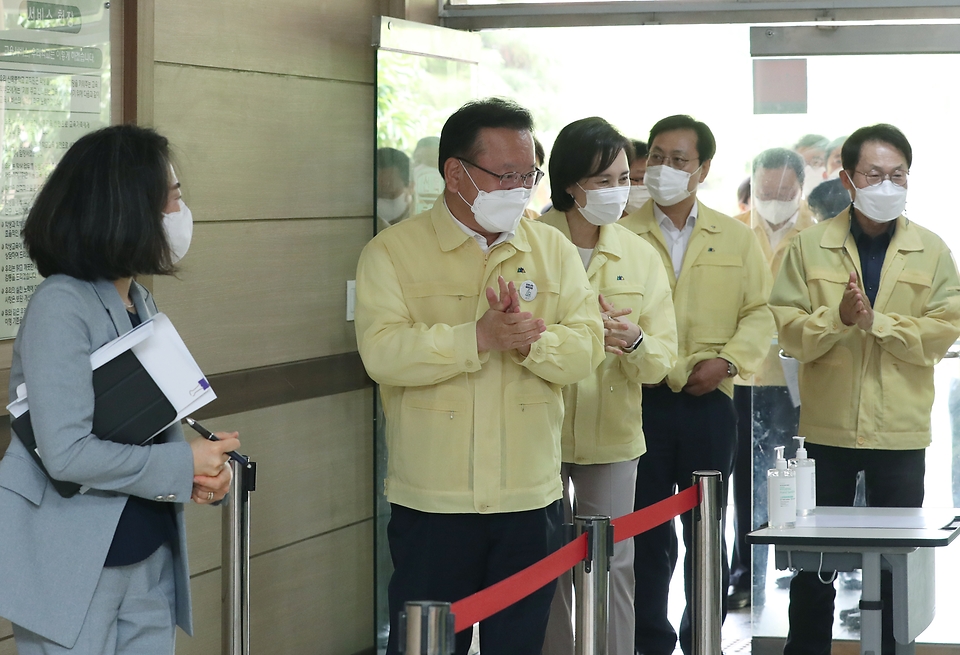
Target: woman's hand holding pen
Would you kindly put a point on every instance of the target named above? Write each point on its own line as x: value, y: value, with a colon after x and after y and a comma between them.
x: 212, y: 477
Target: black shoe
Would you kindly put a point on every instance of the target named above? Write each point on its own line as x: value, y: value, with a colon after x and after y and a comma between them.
x: 737, y: 599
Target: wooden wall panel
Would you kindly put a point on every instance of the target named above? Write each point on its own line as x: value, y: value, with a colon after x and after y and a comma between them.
x: 315, y: 596
x: 205, y: 593
x: 251, y: 145
x: 292, y: 37
x: 256, y: 293
x: 314, y: 473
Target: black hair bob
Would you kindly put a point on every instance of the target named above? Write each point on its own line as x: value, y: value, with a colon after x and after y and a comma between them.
x: 100, y: 213
x: 583, y: 148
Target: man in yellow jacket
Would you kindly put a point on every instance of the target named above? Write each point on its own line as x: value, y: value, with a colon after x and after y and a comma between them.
x: 472, y: 321
x: 868, y: 302
x: 720, y: 282
x: 777, y: 214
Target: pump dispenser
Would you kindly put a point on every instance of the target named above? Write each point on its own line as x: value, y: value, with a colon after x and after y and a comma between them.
x: 781, y: 494
x: 806, y: 480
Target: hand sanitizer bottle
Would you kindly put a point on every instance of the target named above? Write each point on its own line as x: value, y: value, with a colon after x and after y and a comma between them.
x: 781, y: 494
x: 806, y: 480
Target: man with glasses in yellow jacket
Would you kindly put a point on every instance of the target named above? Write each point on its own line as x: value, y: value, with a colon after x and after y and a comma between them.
x: 868, y: 302
x: 720, y: 283
x: 472, y: 320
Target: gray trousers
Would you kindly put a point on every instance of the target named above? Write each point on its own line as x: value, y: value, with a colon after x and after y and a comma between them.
x: 602, y: 490
x: 133, y: 612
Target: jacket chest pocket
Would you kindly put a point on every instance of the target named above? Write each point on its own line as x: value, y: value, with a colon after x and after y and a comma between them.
x: 910, y: 293
x: 826, y: 286
x: 715, y: 290
x: 624, y: 295
x: 541, y: 300
x: 438, y: 301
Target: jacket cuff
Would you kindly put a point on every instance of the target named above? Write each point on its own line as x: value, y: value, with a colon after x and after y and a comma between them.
x: 882, y: 325
x: 465, y: 347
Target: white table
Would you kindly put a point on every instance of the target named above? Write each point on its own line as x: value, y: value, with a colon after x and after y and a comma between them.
x: 870, y: 539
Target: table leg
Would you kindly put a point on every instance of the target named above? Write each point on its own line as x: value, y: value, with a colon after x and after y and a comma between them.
x: 870, y: 604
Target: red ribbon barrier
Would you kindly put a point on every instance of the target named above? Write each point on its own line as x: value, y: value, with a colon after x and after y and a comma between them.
x: 487, y: 602
x: 644, y: 519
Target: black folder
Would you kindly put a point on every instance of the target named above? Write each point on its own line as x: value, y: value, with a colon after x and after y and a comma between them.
x: 129, y: 408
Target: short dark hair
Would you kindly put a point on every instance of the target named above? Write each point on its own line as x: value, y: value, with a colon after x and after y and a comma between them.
x: 882, y: 132
x: 458, y: 138
x: 582, y: 149
x: 812, y: 141
x: 539, y: 152
x: 100, y: 213
x: 780, y: 158
x: 639, y: 149
x: 393, y: 158
x: 706, y: 143
x: 743, y: 192
x: 828, y: 199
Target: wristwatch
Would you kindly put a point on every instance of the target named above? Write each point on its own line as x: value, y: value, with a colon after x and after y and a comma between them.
x: 636, y: 344
x: 731, y: 369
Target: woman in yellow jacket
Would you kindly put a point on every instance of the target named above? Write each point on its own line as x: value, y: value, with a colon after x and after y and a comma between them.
x: 602, y: 435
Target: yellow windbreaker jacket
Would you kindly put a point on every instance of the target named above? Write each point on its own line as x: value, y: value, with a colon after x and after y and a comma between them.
x: 603, y: 421
x: 867, y: 389
x: 468, y: 432
x: 771, y: 371
x: 721, y: 295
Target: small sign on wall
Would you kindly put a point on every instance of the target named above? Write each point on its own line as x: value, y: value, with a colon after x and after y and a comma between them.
x: 779, y: 86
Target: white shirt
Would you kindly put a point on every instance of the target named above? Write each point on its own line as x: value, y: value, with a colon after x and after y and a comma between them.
x: 586, y: 254
x: 776, y: 232
x: 677, y: 240
x: 479, y: 238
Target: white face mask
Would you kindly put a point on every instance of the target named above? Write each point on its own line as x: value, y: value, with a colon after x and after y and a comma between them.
x: 667, y: 185
x: 639, y: 195
x: 390, y: 209
x: 604, y: 206
x: 178, y: 228
x: 882, y: 202
x: 776, y: 212
x: 811, y: 178
x: 500, y: 210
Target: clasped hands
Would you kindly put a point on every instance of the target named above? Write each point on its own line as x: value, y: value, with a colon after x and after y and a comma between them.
x: 855, y: 307
x: 504, y: 327
x: 211, y: 475
x: 618, y: 334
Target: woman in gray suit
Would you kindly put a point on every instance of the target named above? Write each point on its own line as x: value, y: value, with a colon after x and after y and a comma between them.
x: 104, y: 571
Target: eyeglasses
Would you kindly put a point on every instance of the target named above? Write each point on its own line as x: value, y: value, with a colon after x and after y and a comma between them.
x: 898, y: 177
x: 656, y: 159
x: 511, y: 180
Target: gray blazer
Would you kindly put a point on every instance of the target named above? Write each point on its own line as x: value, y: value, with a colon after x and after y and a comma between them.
x: 52, y: 548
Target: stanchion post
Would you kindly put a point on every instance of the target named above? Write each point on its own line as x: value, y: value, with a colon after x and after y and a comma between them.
x: 707, y: 592
x: 235, y: 561
x: 427, y: 628
x: 591, y: 580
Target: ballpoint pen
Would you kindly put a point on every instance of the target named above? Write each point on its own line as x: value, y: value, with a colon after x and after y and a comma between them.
x: 206, y: 434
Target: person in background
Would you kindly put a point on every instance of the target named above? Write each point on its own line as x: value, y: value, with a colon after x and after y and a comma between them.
x: 720, y: 283
x: 744, y: 197
x: 638, y: 167
x: 427, y: 182
x: 813, y: 149
x: 394, y: 187
x: 778, y: 215
x: 833, y: 160
x: 828, y: 199
x: 541, y: 156
x: 105, y: 571
x: 472, y: 320
x: 602, y: 422
x: 867, y: 345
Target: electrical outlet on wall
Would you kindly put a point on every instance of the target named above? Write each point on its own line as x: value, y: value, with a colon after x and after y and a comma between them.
x: 351, y: 298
